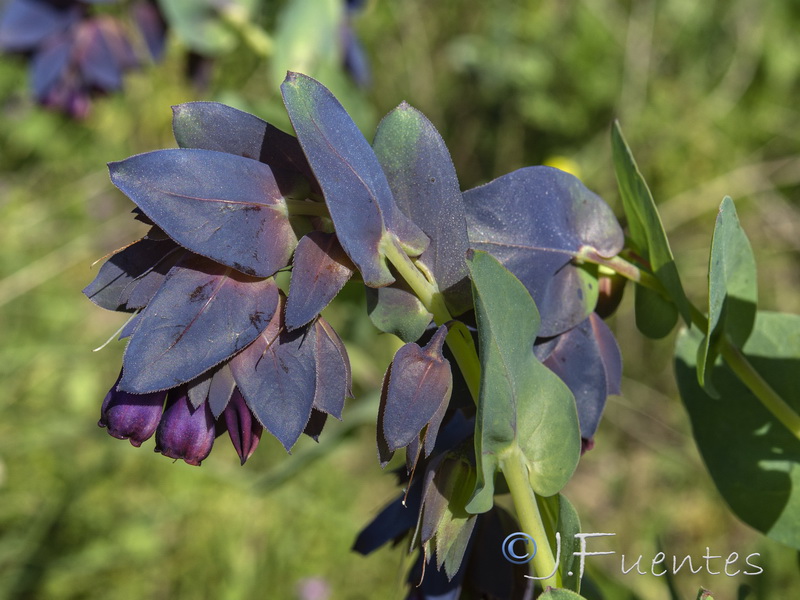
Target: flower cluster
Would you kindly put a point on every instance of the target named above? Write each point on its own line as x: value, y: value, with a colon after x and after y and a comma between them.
x: 183, y: 429
x: 75, y: 53
x: 213, y: 333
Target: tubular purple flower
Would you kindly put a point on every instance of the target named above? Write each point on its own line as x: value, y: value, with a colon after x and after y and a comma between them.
x: 184, y: 431
x: 129, y: 416
x: 243, y: 427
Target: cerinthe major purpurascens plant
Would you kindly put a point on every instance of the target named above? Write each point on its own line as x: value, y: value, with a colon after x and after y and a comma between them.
x: 499, y: 293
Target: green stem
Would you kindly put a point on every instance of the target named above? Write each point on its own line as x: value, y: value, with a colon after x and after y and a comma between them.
x: 459, y: 339
x: 256, y: 38
x: 771, y: 400
x: 516, y: 474
x: 306, y: 208
x: 627, y: 270
x: 426, y: 291
x: 736, y: 360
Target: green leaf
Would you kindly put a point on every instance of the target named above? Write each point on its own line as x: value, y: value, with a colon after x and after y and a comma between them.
x: 307, y: 38
x: 645, y: 227
x: 198, y: 24
x: 562, y: 517
x: 732, y: 290
x: 355, y: 187
x: 396, y: 309
x: 456, y: 524
x: 425, y: 187
x: 753, y: 459
x: 536, y: 221
x: 560, y: 594
x: 524, y: 408
x: 655, y: 315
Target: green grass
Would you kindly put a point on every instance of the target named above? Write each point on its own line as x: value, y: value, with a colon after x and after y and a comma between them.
x: 706, y: 94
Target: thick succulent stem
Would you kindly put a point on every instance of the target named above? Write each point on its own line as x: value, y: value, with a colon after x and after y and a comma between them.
x: 516, y: 474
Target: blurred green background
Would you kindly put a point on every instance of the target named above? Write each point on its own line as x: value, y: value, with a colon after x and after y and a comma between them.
x: 707, y: 94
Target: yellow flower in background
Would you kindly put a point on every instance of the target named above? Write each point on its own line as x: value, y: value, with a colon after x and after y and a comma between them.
x: 565, y: 164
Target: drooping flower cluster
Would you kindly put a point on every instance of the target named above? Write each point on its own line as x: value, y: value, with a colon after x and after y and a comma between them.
x: 77, y: 51
x: 458, y: 552
x: 220, y: 341
x: 182, y: 430
x: 74, y: 52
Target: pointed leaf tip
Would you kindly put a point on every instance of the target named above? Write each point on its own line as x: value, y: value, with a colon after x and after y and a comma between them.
x: 425, y: 187
x: 129, y: 278
x: 334, y: 378
x: 732, y: 290
x: 277, y: 377
x: 355, y: 188
x: 320, y: 269
x: 649, y: 239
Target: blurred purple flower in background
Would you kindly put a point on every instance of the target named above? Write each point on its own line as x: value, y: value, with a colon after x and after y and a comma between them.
x: 354, y: 59
x: 73, y: 53
x: 313, y: 588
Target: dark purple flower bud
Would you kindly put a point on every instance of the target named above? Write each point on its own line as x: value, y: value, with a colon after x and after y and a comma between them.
x: 415, y: 396
x: 244, y: 429
x: 129, y: 416
x: 611, y: 288
x: 184, y: 431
